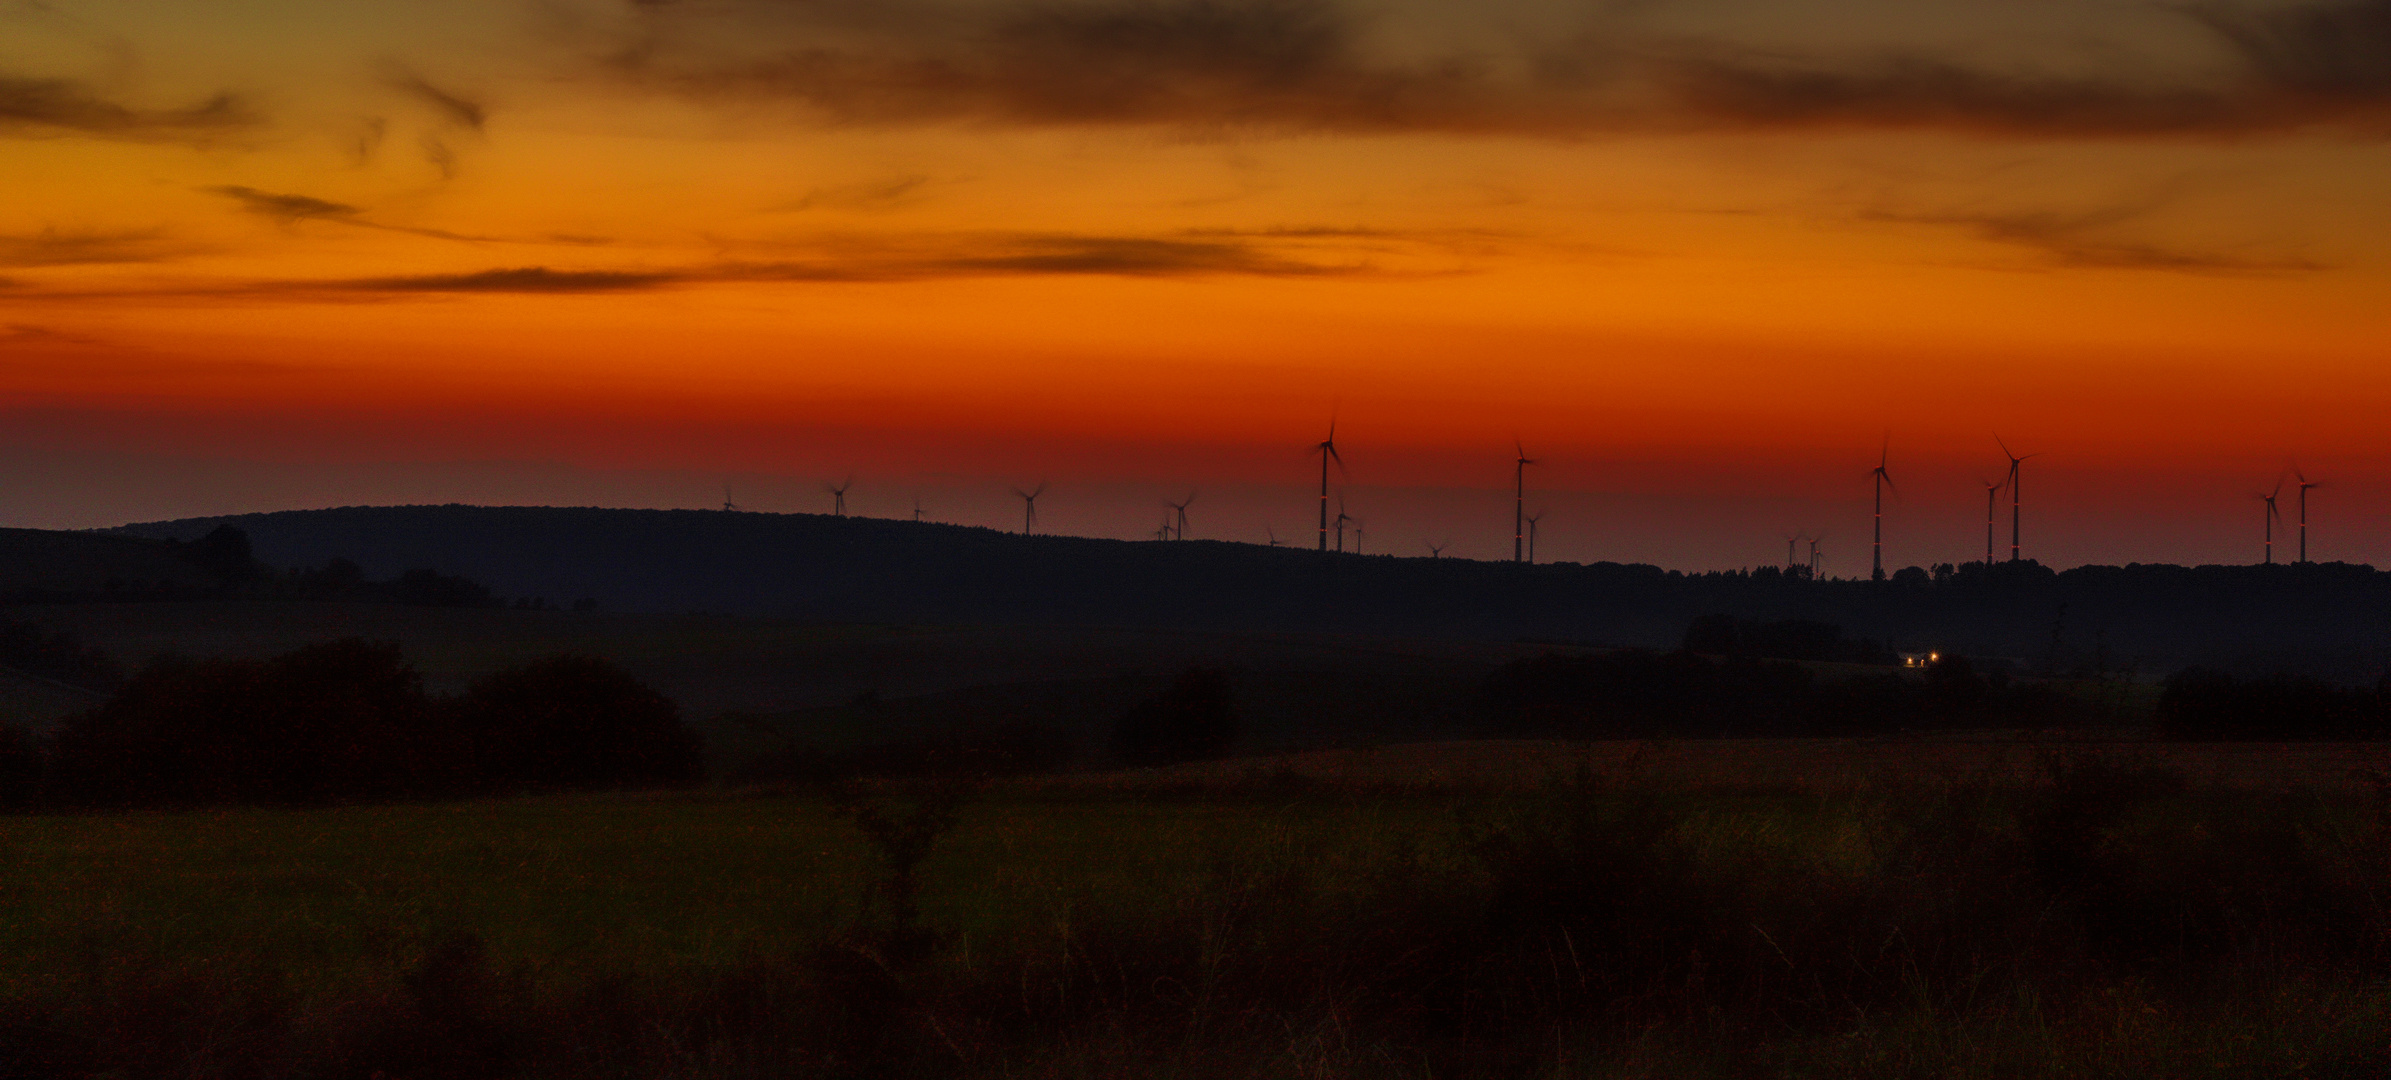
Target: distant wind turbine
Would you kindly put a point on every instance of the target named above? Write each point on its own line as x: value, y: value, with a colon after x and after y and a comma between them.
x: 917, y: 508
x: 1342, y: 518
x: 1532, y: 520
x: 1991, y: 492
x: 1273, y: 533
x: 1814, y: 560
x: 1029, y: 507
x: 1883, y: 480
x: 2272, y: 516
x: 2014, y: 462
x: 1436, y: 550
x: 2305, y: 484
x: 1328, y: 451
x: 1519, y: 499
x: 838, y: 496
x: 1181, y: 507
x: 727, y: 504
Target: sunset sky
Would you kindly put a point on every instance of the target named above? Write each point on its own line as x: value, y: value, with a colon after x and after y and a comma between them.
x: 1703, y: 258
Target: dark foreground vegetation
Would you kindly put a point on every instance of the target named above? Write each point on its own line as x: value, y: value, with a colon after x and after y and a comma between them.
x: 349, y: 721
x: 2103, y: 920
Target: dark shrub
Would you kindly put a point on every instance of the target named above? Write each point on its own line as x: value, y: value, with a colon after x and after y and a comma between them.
x: 2209, y: 703
x: 58, y: 656
x: 575, y: 722
x: 342, y: 720
x: 431, y: 588
x: 223, y: 553
x: 20, y: 766
x: 1196, y: 718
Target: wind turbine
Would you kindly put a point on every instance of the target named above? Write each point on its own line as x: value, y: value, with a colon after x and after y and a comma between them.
x: 1991, y: 492
x: 2014, y: 461
x: 1519, y: 498
x: 1328, y: 450
x: 1814, y: 557
x: 838, y: 496
x: 1532, y: 520
x: 1181, y: 507
x: 727, y: 504
x: 2305, y: 484
x: 1790, y: 540
x: 917, y: 508
x: 1274, y: 535
x: 1436, y: 550
x: 1358, y: 533
x: 1342, y: 518
x: 1029, y: 507
x: 1883, y: 480
x: 2272, y: 516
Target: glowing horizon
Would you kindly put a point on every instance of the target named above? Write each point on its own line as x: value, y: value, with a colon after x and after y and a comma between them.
x: 1701, y: 259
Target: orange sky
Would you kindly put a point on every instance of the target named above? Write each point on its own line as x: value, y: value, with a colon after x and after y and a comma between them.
x: 1700, y: 258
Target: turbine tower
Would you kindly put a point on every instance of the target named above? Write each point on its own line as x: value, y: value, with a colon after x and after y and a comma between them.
x: 1883, y: 480
x: 1342, y: 518
x: 917, y: 508
x: 2305, y: 484
x: 1029, y: 507
x: 2014, y: 461
x: 1436, y: 550
x: 838, y: 496
x: 2272, y: 516
x: 1327, y: 451
x: 1181, y: 508
x: 1814, y: 557
x: 1519, y: 499
x: 1532, y: 520
x: 1992, y: 492
x: 727, y: 504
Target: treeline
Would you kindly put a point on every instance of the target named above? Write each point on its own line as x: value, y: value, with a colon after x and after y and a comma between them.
x: 2209, y: 703
x: 1638, y: 694
x: 350, y: 721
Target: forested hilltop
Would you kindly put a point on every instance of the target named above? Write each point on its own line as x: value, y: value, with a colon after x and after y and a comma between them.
x: 2329, y: 619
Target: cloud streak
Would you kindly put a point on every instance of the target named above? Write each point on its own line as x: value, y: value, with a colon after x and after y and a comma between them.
x: 1307, y: 65
x: 2091, y: 240
x: 53, y: 107
x: 52, y: 247
x: 1012, y: 255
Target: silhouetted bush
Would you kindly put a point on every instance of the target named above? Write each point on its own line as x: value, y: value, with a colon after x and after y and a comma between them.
x: 1195, y: 719
x: 2209, y: 703
x: 349, y: 721
x: 1784, y: 639
x: 575, y: 722
x: 1636, y: 694
x: 971, y: 751
x: 431, y: 588
x: 59, y: 656
x: 223, y: 553
x: 338, y: 721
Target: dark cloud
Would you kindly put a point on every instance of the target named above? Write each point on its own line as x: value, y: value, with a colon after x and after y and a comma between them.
x: 870, y: 195
x: 1305, y: 64
x: 2098, y: 240
x: 28, y: 334
x: 65, y: 106
x: 452, y: 107
x: 938, y: 257
x: 285, y: 208
x: 528, y: 279
x: 52, y: 247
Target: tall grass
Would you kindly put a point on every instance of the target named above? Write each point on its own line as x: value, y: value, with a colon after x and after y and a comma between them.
x: 2106, y: 920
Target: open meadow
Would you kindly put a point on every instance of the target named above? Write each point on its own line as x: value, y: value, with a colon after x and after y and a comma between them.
x: 1988, y: 908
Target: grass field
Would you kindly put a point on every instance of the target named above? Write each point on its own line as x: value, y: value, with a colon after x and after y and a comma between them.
x: 1960, y: 908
